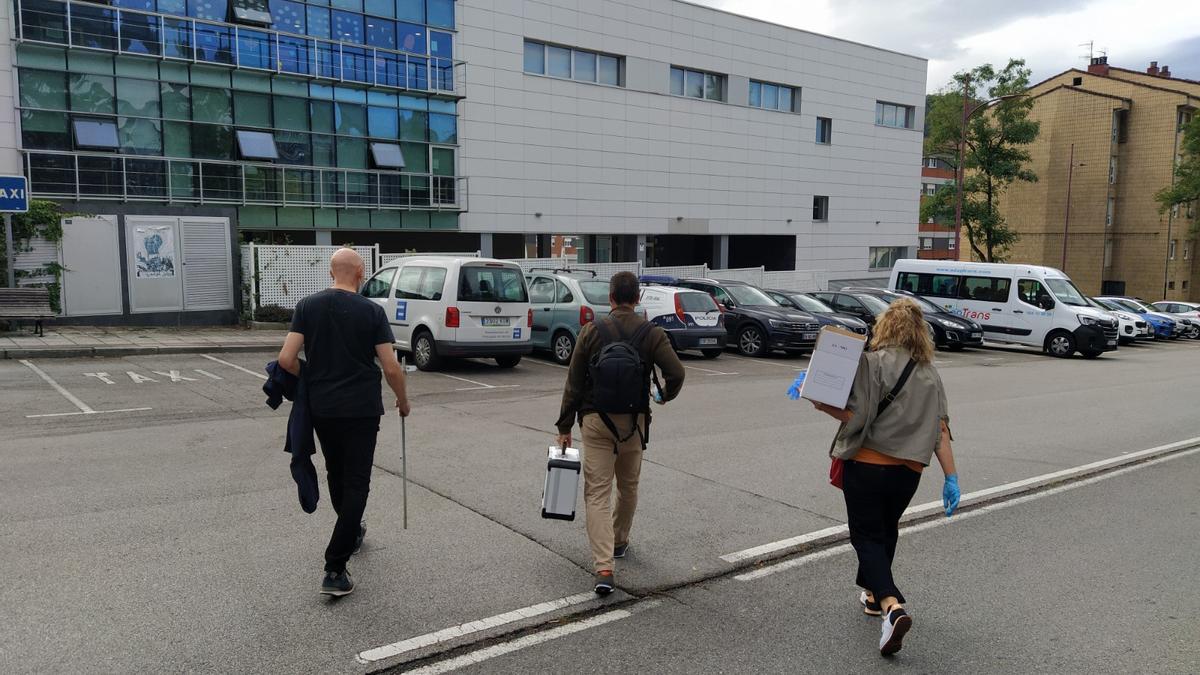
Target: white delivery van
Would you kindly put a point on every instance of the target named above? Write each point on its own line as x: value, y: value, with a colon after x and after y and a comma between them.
x: 455, y: 307
x: 1018, y: 304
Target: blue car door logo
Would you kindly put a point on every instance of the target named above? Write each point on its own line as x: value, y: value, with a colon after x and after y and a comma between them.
x: 401, y: 310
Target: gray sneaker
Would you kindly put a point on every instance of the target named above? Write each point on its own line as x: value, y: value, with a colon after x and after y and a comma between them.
x: 337, y: 584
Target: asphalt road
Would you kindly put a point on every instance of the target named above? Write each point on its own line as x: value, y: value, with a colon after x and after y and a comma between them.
x: 1089, y: 580
x: 148, y: 520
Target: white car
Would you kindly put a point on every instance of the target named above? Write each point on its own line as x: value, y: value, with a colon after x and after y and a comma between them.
x: 691, y: 318
x: 455, y: 307
x: 1130, y: 326
x: 1186, y: 310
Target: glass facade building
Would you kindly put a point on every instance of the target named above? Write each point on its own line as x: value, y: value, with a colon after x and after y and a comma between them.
x: 329, y: 113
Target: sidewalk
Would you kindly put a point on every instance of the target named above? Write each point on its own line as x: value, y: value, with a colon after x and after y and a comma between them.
x: 80, y: 341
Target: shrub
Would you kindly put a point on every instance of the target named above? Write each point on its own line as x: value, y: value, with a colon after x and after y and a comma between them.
x: 272, y: 314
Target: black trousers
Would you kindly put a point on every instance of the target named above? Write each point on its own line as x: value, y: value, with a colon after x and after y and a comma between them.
x: 876, y: 497
x: 348, y: 444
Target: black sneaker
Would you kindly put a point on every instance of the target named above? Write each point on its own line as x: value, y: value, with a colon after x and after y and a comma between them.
x: 895, y: 625
x: 620, y: 550
x: 605, y: 582
x: 336, y: 584
x: 362, y: 534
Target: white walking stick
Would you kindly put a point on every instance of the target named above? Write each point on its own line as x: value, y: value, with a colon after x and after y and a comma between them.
x: 404, y: 454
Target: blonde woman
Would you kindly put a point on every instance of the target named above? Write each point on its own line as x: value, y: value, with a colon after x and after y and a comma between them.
x: 895, y: 421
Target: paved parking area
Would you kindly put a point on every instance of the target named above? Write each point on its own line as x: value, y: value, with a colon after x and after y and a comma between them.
x: 147, y: 498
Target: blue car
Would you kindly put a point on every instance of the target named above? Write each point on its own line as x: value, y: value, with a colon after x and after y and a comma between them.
x: 1164, y: 328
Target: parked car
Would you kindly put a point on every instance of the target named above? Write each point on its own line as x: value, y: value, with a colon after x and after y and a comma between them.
x: 950, y: 331
x: 823, y: 313
x: 1015, y: 303
x: 455, y: 307
x: 691, y: 318
x: 863, y: 306
x: 563, y: 302
x: 1130, y: 326
x: 1185, y: 310
x: 1165, y: 327
x: 756, y: 323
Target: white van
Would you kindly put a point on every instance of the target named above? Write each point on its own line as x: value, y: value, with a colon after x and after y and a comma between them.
x: 455, y: 307
x: 1018, y: 304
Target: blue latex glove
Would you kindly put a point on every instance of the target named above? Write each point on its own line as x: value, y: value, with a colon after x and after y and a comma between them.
x: 950, y: 494
x: 794, y: 390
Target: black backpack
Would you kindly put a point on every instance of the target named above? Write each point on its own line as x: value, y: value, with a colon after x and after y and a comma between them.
x: 620, y: 377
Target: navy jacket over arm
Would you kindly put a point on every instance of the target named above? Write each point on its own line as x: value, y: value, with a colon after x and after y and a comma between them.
x: 299, y: 441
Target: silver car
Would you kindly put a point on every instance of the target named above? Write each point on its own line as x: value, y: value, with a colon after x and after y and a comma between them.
x: 563, y: 302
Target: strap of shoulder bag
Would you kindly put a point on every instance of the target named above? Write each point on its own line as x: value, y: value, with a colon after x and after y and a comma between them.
x: 891, y: 395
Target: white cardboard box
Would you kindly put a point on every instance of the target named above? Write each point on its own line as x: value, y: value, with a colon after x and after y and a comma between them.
x: 832, y: 367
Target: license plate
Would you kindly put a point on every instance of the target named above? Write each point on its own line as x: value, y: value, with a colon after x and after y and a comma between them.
x: 1112, y: 343
x: 810, y: 336
x: 978, y: 335
x: 495, y: 321
x: 708, y: 341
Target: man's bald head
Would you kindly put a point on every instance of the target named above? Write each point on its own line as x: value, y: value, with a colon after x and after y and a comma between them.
x: 346, y: 268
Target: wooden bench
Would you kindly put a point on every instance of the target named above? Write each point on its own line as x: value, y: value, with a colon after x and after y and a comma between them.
x: 26, y: 304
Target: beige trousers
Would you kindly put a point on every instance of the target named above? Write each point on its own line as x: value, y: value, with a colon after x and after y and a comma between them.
x: 606, y: 526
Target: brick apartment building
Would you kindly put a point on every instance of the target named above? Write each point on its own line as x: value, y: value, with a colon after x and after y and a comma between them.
x: 936, y: 238
x: 1112, y: 136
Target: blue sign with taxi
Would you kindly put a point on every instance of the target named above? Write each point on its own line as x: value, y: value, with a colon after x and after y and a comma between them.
x: 14, y: 194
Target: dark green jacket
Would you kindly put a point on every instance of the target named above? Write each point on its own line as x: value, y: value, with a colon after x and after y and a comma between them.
x: 656, y: 351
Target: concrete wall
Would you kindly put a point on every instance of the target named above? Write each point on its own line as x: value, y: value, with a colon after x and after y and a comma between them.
x: 10, y: 156
x: 635, y: 160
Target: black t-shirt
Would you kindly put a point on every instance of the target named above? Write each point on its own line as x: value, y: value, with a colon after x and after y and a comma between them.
x: 341, y: 330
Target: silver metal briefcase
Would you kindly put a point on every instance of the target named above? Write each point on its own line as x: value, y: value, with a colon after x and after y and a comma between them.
x: 562, y: 483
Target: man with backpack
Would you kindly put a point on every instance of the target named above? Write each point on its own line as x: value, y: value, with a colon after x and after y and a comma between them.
x: 608, y: 390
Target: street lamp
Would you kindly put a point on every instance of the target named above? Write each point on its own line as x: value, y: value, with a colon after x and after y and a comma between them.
x: 959, y: 171
x: 1067, y: 219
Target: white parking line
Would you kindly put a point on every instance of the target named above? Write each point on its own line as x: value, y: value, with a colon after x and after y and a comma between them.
x: 518, y: 644
x: 208, y: 374
x: 464, y: 629
x: 921, y: 509
x: 764, y: 362
x: 235, y: 366
x: 544, y: 363
x: 974, y: 513
x: 706, y: 370
x: 84, y: 409
x: 478, y: 385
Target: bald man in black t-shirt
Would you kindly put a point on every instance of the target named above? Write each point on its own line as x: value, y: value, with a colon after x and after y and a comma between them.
x: 342, y: 335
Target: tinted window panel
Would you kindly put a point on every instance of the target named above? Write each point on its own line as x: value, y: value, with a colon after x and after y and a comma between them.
x: 535, y: 58
x: 387, y: 155
x: 256, y: 145
x: 493, y: 284
x: 99, y: 134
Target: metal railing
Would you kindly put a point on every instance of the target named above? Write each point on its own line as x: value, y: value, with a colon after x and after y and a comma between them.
x: 141, y: 178
x: 86, y: 25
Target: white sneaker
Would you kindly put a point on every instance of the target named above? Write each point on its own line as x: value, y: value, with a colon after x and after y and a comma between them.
x: 895, y: 625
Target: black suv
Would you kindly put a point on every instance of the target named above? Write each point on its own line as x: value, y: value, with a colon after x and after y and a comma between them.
x: 950, y: 331
x: 757, y: 324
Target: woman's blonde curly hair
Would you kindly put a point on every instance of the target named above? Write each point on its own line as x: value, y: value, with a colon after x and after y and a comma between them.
x: 903, y: 325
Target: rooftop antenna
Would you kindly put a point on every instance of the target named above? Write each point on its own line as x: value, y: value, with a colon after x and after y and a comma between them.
x: 1091, y: 47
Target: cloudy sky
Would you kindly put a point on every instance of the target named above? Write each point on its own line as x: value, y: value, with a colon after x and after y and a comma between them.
x: 957, y: 34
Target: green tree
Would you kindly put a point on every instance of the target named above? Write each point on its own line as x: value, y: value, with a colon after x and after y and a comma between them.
x: 1186, y: 187
x: 995, y: 154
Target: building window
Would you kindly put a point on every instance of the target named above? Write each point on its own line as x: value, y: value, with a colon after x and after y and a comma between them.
x: 256, y: 145
x: 1112, y: 170
x: 951, y: 243
x: 824, y: 130
x: 926, y: 243
x: 929, y: 189
x: 697, y: 84
x: 774, y: 96
x: 1108, y: 251
x: 1170, y: 285
x: 885, y: 257
x: 820, y: 209
x: 387, y: 156
x: 568, y: 63
x: 1187, y: 249
x: 251, y: 11
x: 1108, y: 213
x: 1185, y: 284
x: 1171, y: 249
x: 895, y: 115
x: 1185, y: 118
x: 95, y: 134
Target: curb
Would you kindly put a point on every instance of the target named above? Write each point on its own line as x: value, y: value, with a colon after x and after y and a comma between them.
x: 116, y: 351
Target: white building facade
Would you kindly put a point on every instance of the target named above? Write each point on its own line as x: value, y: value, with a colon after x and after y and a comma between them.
x: 677, y: 134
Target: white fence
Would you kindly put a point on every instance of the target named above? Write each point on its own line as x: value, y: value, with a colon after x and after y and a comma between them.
x: 33, y: 258
x: 282, y: 274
